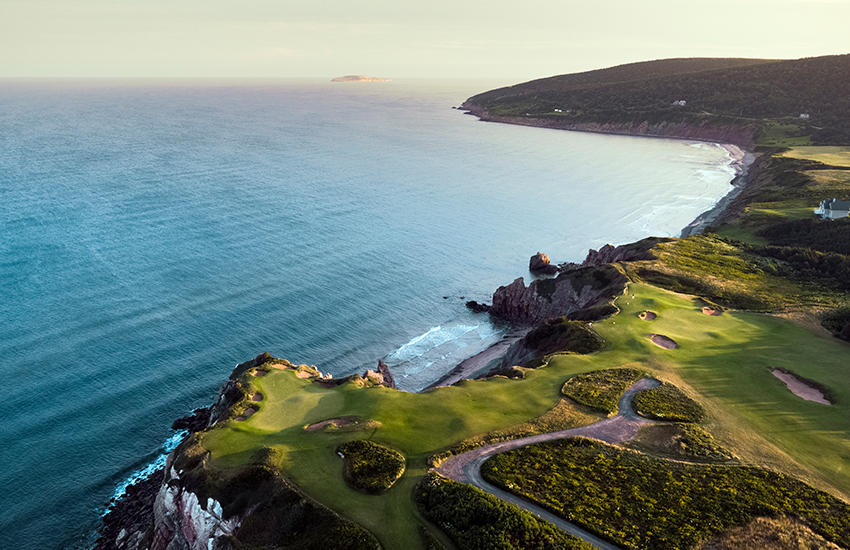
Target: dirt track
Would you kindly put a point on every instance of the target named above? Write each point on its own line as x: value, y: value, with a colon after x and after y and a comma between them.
x: 466, y: 467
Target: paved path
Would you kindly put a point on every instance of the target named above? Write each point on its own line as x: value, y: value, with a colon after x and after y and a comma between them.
x: 466, y: 467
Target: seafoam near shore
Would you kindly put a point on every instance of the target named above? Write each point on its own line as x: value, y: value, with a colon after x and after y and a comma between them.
x: 740, y: 163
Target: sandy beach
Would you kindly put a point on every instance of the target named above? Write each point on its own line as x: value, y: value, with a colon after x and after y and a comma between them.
x: 468, y: 367
x: 741, y: 161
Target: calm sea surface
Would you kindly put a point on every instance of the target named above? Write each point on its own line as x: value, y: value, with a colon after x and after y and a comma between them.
x: 153, y: 234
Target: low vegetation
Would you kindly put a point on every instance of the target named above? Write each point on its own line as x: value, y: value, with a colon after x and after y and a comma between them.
x: 601, y: 390
x: 476, y: 520
x: 780, y: 533
x: 680, y: 440
x: 562, y: 335
x: 643, y: 502
x: 667, y: 402
x: 369, y: 467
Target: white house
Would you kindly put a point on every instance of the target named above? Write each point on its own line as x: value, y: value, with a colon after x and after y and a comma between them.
x: 804, y: 115
x: 831, y: 209
x: 680, y: 103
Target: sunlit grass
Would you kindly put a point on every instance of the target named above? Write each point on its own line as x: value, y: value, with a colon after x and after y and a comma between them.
x: 832, y: 155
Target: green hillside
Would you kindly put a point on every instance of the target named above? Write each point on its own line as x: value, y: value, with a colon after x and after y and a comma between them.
x: 749, y: 92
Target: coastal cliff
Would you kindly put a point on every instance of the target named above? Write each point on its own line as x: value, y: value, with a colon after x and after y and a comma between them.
x: 578, y: 291
x: 737, y: 134
x: 191, y: 504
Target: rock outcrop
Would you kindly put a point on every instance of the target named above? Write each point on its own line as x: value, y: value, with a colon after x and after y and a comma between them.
x: 384, y: 371
x: 564, y: 295
x: 608, y: 254
x: 539, y: 263
x: 183, y: 524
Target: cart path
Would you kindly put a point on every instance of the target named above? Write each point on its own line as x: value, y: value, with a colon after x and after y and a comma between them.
x: 466, y: 467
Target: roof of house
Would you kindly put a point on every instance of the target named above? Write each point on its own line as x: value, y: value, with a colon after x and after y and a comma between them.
x: 835, y: 204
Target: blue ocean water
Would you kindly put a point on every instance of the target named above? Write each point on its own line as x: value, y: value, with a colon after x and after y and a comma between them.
x: 156, y: 233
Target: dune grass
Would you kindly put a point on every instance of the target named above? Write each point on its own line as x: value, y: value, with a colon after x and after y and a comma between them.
x: 722, y: 361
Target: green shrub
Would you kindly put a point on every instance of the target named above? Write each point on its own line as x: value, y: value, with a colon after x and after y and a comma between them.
x: 601, y: 389
x: 643, y: 502
x: 680, y: 440
x: 561, y: 334
x: 667, y: 402
x: 369, y: 467
x: 475, y: 520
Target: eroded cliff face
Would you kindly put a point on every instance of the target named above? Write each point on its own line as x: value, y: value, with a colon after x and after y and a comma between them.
x: 739, y: 135
x: 566, y: 294
x: 588, y: 286
x: 182, y: 523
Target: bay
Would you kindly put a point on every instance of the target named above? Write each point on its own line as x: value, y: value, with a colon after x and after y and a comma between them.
x: 154, y: 233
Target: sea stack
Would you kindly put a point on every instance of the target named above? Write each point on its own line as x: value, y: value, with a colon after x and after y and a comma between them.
x: 539, y: 263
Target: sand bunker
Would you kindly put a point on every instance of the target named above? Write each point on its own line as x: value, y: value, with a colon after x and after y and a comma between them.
x: 303, y: 374
x: 260, y: 372
x: 647, y: 315
x: 663, y: 341
x: 338, y: 422
x: 246, y: 415
x: 281, y: 366
x: 711, y: 311
x: 800, y: 388
x: 257, y: 397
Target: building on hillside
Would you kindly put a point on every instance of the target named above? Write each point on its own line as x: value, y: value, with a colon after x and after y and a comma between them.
x: 804, y: 115
x: 680, y: 103
x: 831, y: 209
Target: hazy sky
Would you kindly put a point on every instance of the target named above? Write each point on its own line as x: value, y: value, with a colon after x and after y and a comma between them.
x: 400, y: 38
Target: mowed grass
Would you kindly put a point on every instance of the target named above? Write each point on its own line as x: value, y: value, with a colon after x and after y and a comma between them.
x: 786, y: 134
x: 832, y: 155
x: 723, y: 362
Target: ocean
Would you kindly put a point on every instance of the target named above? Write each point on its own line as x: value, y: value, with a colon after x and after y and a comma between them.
x: 155, y: 233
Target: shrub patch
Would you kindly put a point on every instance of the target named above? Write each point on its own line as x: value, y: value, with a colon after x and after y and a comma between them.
x: 601, y: 389
x: 643, y: 502
x: 667, y: 402
x: 369, y: 467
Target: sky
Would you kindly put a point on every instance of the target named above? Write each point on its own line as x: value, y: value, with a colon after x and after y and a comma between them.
x: 400, y: 38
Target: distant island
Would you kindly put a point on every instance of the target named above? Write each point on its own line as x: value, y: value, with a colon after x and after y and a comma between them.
x: 360, y: 78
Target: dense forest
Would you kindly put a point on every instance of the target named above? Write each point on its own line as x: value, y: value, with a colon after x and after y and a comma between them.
x: 742, y: 91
